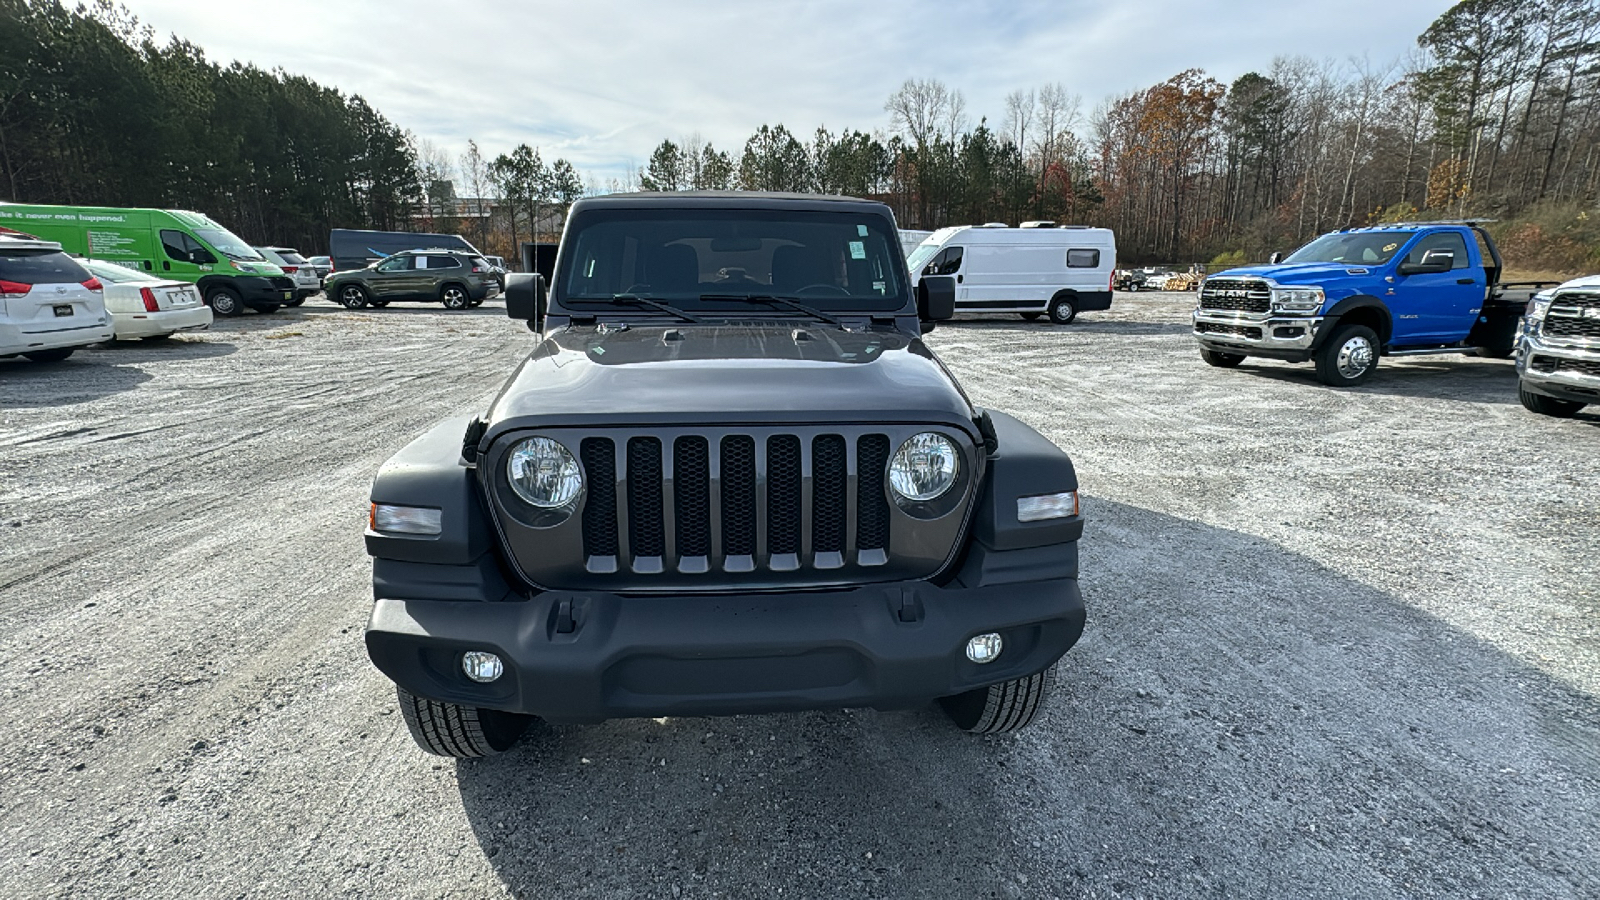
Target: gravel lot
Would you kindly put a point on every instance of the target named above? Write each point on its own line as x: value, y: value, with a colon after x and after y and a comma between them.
x: 1340, y: 644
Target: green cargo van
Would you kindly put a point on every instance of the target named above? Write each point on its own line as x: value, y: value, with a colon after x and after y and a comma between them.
x: 170, y: 243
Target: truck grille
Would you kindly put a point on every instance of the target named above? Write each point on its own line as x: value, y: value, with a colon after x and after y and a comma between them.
x: 1573, y: 315
x: 1236, y: 295
x: 731, y: 508
x: 1253, y: 334
x: 281, y: 283
x: 774, y: 501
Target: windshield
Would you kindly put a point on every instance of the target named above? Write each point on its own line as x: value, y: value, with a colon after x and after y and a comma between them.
x: 109, y: 271
x: 1365, y: 248
x: 228, y: 245
x: 920, y: 256
x: 703, y: 259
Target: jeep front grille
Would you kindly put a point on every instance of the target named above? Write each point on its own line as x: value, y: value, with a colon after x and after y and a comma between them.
x: 761, y: 515
x: 1236, y: 295
x: 696, y: 509
x: 1573, y: 315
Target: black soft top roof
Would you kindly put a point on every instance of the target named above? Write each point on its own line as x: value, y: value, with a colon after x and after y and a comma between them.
x: 733, y: 200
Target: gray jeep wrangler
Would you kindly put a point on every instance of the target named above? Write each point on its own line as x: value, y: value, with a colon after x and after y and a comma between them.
x: 729, y: 478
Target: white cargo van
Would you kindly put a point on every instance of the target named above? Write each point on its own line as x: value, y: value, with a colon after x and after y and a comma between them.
x: 1037, y: 269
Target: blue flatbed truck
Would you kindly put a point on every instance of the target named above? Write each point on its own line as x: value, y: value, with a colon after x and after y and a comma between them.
x: 1351, y: 297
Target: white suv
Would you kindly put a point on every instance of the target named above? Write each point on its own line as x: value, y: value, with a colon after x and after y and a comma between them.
x: 49, y: 306
x: 306, y: 279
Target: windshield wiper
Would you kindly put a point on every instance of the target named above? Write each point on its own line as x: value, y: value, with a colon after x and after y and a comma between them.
x: 781, y: 301
x: 656, y: 304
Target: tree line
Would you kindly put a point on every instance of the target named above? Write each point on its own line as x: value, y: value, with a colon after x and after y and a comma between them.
x: 95, y: 112
x: 1496, y: 114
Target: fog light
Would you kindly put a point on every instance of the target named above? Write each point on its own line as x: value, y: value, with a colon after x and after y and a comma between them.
x: 485, y: 667
x: 985, y: 648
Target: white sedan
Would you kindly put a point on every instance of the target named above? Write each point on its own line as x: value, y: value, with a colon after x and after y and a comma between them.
x: 144, y: 306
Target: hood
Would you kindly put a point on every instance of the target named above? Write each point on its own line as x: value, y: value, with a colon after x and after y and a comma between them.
x: 1301, y: 273
x: 1587, y: 282
x: 728, y: 373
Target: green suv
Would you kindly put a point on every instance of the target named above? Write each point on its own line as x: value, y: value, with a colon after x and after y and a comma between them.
x: 457, y: 279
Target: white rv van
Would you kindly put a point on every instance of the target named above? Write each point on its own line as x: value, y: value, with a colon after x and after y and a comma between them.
x: 1037, y: 269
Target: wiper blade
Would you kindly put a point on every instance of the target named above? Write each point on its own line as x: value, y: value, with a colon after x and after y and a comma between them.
x: 656, y: 304
x: 781, y: 301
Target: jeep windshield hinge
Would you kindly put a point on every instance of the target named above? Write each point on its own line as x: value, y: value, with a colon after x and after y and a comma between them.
x: 469, y: 441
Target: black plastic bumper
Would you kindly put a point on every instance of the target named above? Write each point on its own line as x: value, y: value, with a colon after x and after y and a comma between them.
x: 259, y: 291
x: 590, y: 656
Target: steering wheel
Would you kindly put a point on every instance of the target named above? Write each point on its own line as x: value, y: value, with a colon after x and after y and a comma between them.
x: 832, y: 290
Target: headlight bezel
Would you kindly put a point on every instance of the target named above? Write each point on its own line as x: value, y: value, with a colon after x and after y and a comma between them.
x: 947, y: 500
x: 1297, y: 299
x: 1539, y: 306
x: 566, y: 496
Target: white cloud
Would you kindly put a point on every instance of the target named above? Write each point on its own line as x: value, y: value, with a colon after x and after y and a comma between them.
x: 603, y: 81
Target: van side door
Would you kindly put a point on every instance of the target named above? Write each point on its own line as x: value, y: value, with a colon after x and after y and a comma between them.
x: 1437, y: 307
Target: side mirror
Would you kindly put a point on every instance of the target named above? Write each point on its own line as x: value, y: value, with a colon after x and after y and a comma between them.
x: 526, y: 297
x: 1274, y: 259
x: 1434, y: 262
x: 936, y: 299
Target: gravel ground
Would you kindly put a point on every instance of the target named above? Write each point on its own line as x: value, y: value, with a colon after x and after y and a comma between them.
x: 1341, y: 643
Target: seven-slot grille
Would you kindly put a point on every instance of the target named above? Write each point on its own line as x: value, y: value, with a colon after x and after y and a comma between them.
x: 1239, y: 330
x: 1573, y: 315
x: 1235, y: 295
x: 735, y: 502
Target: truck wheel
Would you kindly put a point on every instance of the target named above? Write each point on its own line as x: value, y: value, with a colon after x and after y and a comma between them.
x: 297, y: 301
x: 1221, y: 360
x: 1349, y: 357
x: 454, y: 297
x: 1063, y: 310
x: 48, y: 356
x: 463, y: 732
x: 1548, y: 406
x: 224, y: 301
x: 1495, y: 352
x: 1002, y: 707
x: 351, y: 296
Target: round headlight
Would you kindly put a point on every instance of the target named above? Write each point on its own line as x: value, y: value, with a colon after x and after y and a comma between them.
x: 924, y: 467
x: 543, y: 473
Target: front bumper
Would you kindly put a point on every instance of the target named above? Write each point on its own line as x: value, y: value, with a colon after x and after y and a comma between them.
x: 580, y: 656
x: 261, y: 291
x: 1564, y: 368
x: 1275, y: 336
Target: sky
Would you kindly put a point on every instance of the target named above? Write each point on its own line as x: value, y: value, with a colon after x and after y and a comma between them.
x: 602, y: 82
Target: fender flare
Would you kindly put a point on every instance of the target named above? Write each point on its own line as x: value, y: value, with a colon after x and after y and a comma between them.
x: 1348, y: 305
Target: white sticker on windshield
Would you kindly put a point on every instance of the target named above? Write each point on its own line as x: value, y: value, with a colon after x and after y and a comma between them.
x: 861, y: 230
x: 858, y: 249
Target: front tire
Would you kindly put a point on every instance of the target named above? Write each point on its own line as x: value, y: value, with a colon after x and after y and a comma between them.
x: 1000, y: 708
x: 49, y: 356
x: 462, y: 732
x: 296, y: 301
x: 1063, y: 310
x: 352, y: 296
x: 1554, y: 407
x: 454, y: 297
x: 225, y: 301
x: 1221, y: 360
x: 1349, y: 357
